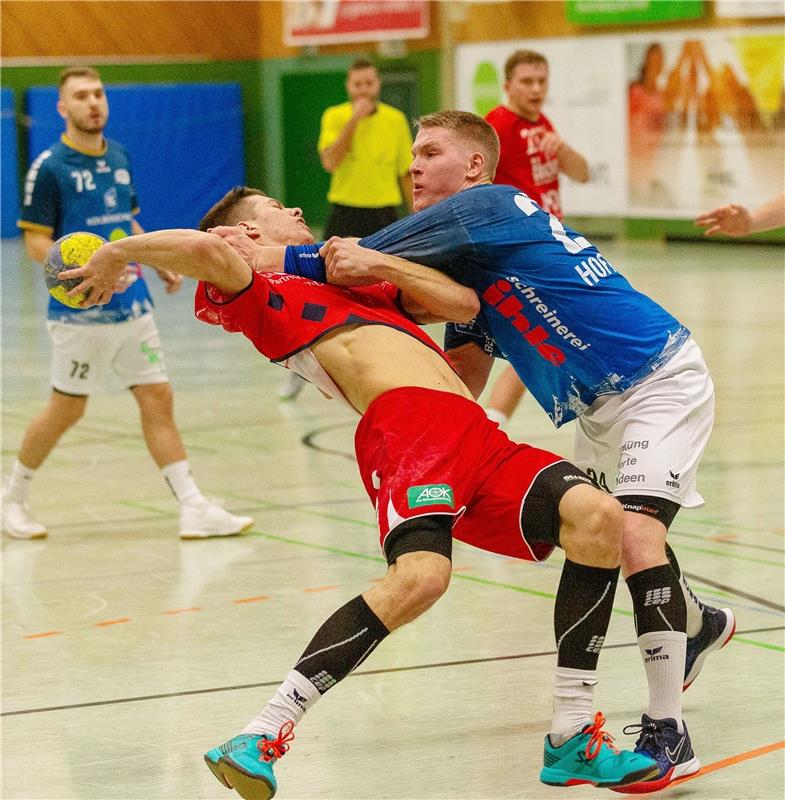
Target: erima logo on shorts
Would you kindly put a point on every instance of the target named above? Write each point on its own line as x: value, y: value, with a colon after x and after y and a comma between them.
x: 437, y: 494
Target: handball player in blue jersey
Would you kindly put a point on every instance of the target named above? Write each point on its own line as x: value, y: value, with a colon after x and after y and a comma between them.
x: 590, y: 348
x: 84, y: 182
x: 362, y: 347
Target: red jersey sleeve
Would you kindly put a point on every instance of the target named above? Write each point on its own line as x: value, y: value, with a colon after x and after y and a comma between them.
x: 233, y: 312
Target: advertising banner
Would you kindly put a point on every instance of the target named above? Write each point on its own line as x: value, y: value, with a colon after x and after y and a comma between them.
x: 671, y: 123
x: 705, y: 120
x: 586, y: 103
x: 308, y: 22
x: 631, y: 12
x: 748, y: 9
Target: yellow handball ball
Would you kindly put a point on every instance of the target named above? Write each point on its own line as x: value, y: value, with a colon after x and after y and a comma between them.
x: 69, y: 251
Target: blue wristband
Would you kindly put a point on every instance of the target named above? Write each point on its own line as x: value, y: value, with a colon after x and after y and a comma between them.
x: 304, y: 260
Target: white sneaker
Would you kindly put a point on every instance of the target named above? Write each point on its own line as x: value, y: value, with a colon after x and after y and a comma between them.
x: 18, y: 521
x: 203, y: 520
x: 291, y: 387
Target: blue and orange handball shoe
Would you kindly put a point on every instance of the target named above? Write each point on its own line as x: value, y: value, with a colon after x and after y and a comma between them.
x: 245, y: 763
x: 660, y: 739
x: 589, y: 757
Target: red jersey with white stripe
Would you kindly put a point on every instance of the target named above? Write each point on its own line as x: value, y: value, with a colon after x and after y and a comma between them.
x: 521, y: 161
x: 285, y: 314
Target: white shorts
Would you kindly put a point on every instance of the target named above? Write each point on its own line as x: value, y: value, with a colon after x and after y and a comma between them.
x: 83, y: 355
x: 649, y: 440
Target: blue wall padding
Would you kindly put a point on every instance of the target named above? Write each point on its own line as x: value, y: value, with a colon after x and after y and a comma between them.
x: 185, y: 142
x: 9, y: 165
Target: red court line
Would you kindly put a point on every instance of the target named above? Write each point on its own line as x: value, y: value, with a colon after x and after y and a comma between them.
x: 181, y: 610
x: 464, y: 568
x: 107, y: 622
x: 256, y: 599
x: 41, y: 635
x: 707, y: 769
x: 320, y: 589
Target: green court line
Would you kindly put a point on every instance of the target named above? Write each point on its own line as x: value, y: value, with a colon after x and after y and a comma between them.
x: 325, y: 548
x: 300, y: 510
x: 734, y: 556
x: 143, y: 507
x: 713, y: 591
x: 483, y: 581
x: 325, y: 515
x: 708, y: 522
x: 364, y: 523
x: 455, y: 575
x: 765, y: 645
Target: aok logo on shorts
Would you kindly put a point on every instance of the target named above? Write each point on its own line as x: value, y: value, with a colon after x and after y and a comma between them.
x: 436, y: 494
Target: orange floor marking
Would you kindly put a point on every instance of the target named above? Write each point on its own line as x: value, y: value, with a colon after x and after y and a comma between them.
x: 320, y: 589
x: 707, y: 769
x: 464, y: 568
x: 256, y: 599
x: 182, y: 610
x: 107, y: 622
x: 42, y: 635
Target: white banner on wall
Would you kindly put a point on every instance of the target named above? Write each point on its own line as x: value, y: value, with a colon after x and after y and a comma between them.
x: 749, y: 8
x: 672, y: 123
x: 585, y: 101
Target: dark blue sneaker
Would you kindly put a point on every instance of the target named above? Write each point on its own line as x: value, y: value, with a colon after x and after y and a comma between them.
x: 245, y: 763
x: 660, y: 739
x: 589, y: 757
x: 719, y: 625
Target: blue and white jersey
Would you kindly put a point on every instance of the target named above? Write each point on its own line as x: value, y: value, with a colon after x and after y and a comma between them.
x: 68, y: 190
x: 570, y: 324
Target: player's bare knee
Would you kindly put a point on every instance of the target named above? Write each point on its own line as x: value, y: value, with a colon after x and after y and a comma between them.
x: 155, y: 398
x: 422, y: 579
x: 594, y: 535
x: 64, y: 411
x: 643, y: 543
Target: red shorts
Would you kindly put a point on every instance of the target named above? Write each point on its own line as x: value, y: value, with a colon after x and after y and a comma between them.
x: 424, y: 452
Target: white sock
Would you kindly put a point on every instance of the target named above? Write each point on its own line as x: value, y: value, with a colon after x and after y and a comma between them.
x: 494, y: 415
x: 694, y: 609
x: 664, y: 654
x: 573, y: 698
x: 290, y: 701
x: 17, y: 486
x: 183, y: 486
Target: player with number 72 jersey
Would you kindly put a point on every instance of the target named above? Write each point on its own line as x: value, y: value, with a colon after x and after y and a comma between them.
x: 570, y: 324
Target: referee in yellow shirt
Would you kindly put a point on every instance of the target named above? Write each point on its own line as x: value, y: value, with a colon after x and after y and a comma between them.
x: 366, y: 146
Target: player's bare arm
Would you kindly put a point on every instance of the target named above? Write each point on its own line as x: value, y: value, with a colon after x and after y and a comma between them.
x: 571, y: 162
x: 260, y: 257
x: 737, y: 220
x: 473, y: 366
x: 37, y: 244
x: 427, y: 294
x: 171, y: 280
x: 194, y: 254
x: 332, y: 156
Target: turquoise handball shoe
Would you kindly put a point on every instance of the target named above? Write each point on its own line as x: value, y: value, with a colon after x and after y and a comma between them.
x: 245, y: 763
x: 589, y: 757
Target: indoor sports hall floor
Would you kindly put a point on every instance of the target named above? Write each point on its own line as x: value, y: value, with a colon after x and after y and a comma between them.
x: 127, y: 653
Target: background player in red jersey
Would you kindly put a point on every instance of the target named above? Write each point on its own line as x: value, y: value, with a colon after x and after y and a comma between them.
x: 532, y: 154
x: 429, y: 482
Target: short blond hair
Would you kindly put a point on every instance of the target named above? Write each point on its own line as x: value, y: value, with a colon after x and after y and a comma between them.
x: 522, y: 57
x: 470, y: 128
x: 77, y: 72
